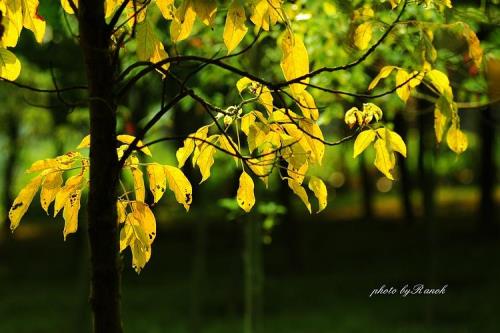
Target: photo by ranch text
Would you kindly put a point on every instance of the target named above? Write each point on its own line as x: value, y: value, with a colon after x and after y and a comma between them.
x: 417, y: 289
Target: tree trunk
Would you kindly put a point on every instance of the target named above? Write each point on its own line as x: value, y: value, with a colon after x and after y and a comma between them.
x: 367, y: 189
x: 254, y: 275
x: 10, y: 163
x: 104, y: 172
x: 401, y: 125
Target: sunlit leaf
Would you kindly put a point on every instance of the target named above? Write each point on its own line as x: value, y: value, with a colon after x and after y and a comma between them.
x: 402, y: 81
x: 23, y: 201
x: 319, y: 189
x: 245, y: 195
x: 384, y: 72
x: 363, y: 140
x: 363, y: 35
x: 180, y: 185
x: 51, y: 185
x: 295, y: 60
x: 384, y: 160
x: 10, y: 67
x: 300, y: 192
x: 157, y: 180
x: 70, y: 213
x: 456, y: 139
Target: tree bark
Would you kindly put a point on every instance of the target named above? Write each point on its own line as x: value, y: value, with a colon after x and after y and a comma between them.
x: 104, y: 172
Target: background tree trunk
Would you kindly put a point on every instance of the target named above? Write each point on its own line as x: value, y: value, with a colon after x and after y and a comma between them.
x: 12, y: 124
x: 104, y: 172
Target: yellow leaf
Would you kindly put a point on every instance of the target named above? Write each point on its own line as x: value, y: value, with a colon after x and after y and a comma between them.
x: 70, y: 213
x: 300, y: 192
x: 243, y: 83
x: 126, y: 236
x: 109, y: 6
x: 121, y: 211
x: 363, y: 35
x: 157, y: 180
x: 180, y: 185
x: 475, y: 50
x: 235, y: 28
x: 297, y: 174
x: 260, y: 15
x: 363, y: 140
x: 143, y: 214
x: 160, y: 54
x: 257, y: 135
x: 166, y: 8
x: 65, y: 4
x: 384, y: 160
x: 10, y: 67
x: 12, y: 24
x: 245, y: 195
x: 183, y: 21
x: 295, y: 60
x: 395, y: 142
x: 442, y: 112
x: 456, y: 139
x: 403, y: 78
x: 85, y: 143
x: 440, y: 81
x: 371, y: 111
x: 184, y: 152
x: 319, y: 188
x: 23, y: 201
x: 246, y: 121
x: 62, y: 162
x: 354, y: 116
x: 314, y: 140
x: 384, y: 72
x: 128, y: 139
x: 72, y: 184
x: 139, y: 187
x: 206, y: 10
x: 31, y: 19
x: 265, y: 97
x: 227, y: 143
x: 50, y: 186
x: 205, y: 159
x: 140, y: 255
x: 307, y: 105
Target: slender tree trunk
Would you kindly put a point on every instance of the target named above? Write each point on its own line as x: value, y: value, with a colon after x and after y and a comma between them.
x: 254, y: 275
x: 402, y: 128
x: 102, y: 225
x: 427, y: 187
x: 10, y: 163
x: 367, y: 189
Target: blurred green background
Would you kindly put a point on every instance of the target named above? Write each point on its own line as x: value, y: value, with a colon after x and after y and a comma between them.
x: 436, y: 225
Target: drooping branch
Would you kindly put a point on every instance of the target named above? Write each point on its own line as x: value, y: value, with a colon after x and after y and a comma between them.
x: 42, y: 90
